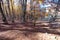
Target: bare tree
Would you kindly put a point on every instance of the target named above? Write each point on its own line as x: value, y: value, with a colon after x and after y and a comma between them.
x: 24, y: 9
x: 13, y: 15
x: 2, y: 13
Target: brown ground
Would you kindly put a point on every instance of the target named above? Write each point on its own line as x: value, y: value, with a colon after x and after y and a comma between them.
x: 18, y: 31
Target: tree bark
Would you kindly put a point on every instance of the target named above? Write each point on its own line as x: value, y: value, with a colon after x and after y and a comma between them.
x: 24, y: 10
x: 3, y: 16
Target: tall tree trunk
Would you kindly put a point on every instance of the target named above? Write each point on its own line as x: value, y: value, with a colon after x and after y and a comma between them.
x: 9, y: 9
x: 3, y: 16
x: 13, y: 15
x: 24, y: 10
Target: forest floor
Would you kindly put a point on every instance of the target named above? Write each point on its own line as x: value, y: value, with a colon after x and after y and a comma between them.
x: 19, y: 31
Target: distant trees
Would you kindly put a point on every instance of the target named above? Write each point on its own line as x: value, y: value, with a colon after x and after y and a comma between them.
x: 10, y: 9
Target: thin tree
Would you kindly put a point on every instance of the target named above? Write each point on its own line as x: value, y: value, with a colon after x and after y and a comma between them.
x: 13, y: 15
x: 24, y: 9
x: 9, y: 9
x: 2, y: 13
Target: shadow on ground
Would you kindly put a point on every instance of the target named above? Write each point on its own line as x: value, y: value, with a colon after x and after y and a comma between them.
x: 29, y: 28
